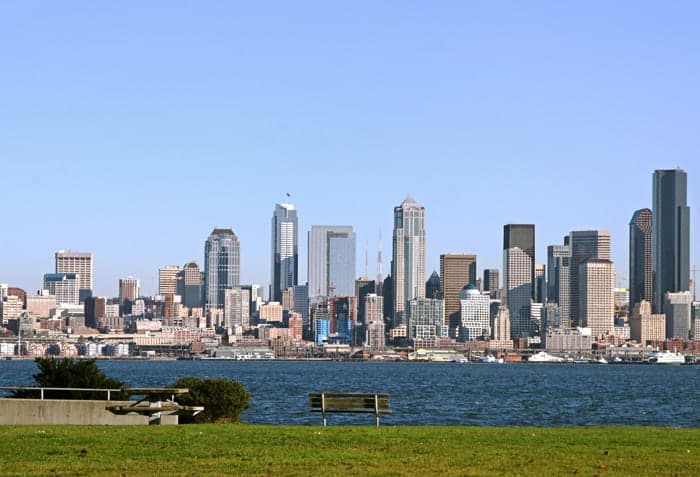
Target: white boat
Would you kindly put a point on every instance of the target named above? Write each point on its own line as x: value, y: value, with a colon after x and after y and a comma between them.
x: 544, y: 357
x: 666, y: 357
x: 488, y: 358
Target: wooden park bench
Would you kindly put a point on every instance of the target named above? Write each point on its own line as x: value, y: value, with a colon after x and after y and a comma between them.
x: 349, y: 403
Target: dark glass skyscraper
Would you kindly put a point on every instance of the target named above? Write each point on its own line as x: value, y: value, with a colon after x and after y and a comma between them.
x: 670, y: 234
x: 640, y: 272
x: 521, y: 236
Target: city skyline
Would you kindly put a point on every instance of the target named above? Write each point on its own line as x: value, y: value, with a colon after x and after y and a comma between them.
x: 546, y: 115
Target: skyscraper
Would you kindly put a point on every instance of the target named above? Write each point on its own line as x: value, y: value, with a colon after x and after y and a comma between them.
x: 128, y: 289
x: 167, y: 280
x: 474, y: 314
x: 640, y: 272
x: 64, y: 286
x: 285, y: 253
x: 408, y: 257
x: 68, y: 261
x: 540, y: 283
x: 517, y: 287
x: 596, y: 305
x: 555, y: 260
x: 491, y: 281
x: 521, y: 236
x: 331, y: 261
x: 670, y: 235
x: 456, y: 272
x: 189, y: 285
x: 222, y: 266
x: 677, y: 308
x: 583, y: 246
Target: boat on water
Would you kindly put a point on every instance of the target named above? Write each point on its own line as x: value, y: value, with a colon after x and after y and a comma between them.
x: 544, y: 357
x: 666, y: 357
x: 488, y: 358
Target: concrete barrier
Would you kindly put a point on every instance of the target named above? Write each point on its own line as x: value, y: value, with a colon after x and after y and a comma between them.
x: 66, y: 411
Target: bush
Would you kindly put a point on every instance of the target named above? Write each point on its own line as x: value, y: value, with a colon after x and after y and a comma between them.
x: 224, y: 400
x: 67, y: 373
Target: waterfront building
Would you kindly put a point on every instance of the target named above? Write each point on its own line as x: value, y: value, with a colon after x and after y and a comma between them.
x: 570, y: 340
x: 517, y: 288
x: 540, y: 283
x: 408, y: 257
x: 331, y: 261
x: 640, y: 258
x: 426, y: 319
x: 457, y: 270
x: 670, y: 235
x: 64, y: 286
x: 222, y: 267
x: 596, y: 306
x: 677, y: 310
x: 189, y: 285
x: 128, y: 289
x: 501, y: 338
x: 583, y: 246
x: 645, y: 326
x: 167, y: 280
x: 490, y: 281
x: 474, y: 314
x: 522, y: 236
x: 79, y: 263
x: 284, y: 250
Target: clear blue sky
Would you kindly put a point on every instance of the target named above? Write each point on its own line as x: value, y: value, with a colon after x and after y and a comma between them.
x: 131, y: 129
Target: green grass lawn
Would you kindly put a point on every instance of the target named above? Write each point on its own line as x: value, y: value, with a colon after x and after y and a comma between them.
x: 304, y: 450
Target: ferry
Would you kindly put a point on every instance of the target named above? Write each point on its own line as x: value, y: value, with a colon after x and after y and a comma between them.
x: 488, y: 358
x: 544, y: 357
x: 666, y: 357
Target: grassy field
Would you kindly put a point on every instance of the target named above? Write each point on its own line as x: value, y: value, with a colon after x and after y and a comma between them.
x: 302, y: 450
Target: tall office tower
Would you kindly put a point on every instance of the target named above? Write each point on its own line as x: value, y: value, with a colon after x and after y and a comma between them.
x: 491, y: 281
x: 408, y: 257
x: 583, y: 246
x: 375, y: 335
x: 128, y: 289
x: 426, y: 319
x: 285, y: 250
x: 68, y: 261
x: 189, y: 285
x: 677, y: 308
x: 517, y: 287
x: 540, y: 283
x: 596, y: 304
x: 640, y: 271
x: 557, y: 257
x: 670, y: 235
x: 521, y: 236
x: 95, y: 310
x: 331, y: 261
x: 432, y: 286
x: 644, y: 326
x: 167, y: 280
x: 222, y: 266
x: 301, y: 303
x: 457, y: 270
x: 388, y: 295
x: 374, y: 308
x: 363, y: 287
x: 501, y: 329
x: 64, y: 286
x: 475, y: 314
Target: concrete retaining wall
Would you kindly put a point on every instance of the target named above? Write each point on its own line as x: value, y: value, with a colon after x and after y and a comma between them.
x: 65, y: 411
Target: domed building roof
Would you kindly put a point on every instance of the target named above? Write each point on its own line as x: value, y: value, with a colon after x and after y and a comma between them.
x: 468, y: 290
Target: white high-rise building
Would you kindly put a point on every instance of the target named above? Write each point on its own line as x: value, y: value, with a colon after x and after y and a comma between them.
x: 408, y: 257
x: 475, y: 314
x: 374, y: 308
x: 284, y: 250
x: 426, y: 319
x: 64, y: 286
x: 79, y: 263
x: 517, y: 287
x: 596, y: 296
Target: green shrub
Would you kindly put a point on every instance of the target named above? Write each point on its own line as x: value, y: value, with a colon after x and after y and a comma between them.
x: 224, y: 400
x: 68, y: 373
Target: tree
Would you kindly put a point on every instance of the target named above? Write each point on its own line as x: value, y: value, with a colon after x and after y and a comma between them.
x: 224, y: 400
x: 68, y: 373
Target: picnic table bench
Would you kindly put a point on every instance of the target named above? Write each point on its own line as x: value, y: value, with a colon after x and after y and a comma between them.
x: 371, y: 403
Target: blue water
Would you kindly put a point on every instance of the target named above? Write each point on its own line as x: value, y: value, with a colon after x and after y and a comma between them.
x: 438, y: 393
